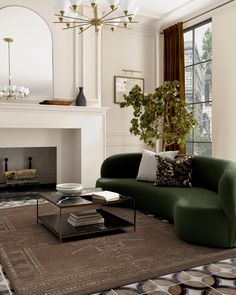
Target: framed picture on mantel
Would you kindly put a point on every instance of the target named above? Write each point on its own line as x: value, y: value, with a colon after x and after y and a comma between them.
x: 123, y: 85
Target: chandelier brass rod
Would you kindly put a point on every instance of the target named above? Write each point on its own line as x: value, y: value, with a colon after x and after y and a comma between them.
x: 77, y: 26
x: 9, y: 60
x: 85, y: 22
x: 95, y: 11
x: 9, y: 40
x: 80, y: 13
x: 108, y: 22
x: 76, y: 18
x: 123, y: 28
x: 127, y: 28
x: 109, y: 13
x: 120, y: 16
x: 85, y: 29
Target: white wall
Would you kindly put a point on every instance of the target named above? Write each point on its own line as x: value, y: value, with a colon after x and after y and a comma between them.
x: 224, y: 83
x: 125, y: 49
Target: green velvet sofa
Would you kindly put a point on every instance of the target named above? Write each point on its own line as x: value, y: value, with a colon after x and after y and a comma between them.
x: 204, y: 214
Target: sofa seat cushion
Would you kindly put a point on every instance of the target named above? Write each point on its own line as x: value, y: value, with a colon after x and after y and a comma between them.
x: 161, y: 200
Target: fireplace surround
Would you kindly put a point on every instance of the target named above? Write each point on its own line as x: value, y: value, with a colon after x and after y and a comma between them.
x: 78, y: 133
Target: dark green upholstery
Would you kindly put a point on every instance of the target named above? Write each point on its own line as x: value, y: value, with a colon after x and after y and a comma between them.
x: 227, y: 200
x: 208, y: 171
x: 204, y: 214
x: 122, y: 167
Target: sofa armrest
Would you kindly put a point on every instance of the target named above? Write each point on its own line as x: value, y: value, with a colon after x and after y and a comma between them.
x: 121, y: 166
x: 227, y: 200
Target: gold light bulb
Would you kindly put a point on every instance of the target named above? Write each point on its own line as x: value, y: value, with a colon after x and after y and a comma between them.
x: 8, y: 40
x: 74, y: 7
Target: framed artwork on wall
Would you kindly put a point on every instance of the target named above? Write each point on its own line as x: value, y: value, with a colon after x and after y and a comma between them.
x: 123, y: 85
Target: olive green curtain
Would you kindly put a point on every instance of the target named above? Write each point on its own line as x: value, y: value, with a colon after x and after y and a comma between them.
x: 174, y: 60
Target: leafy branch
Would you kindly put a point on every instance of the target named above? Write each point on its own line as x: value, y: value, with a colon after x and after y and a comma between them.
x: 159, y: 115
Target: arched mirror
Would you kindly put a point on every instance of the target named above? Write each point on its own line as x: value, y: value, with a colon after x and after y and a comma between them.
x: 29, y: 52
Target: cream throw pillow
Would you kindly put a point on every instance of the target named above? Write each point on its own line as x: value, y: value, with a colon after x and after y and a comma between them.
x: 148, y: 164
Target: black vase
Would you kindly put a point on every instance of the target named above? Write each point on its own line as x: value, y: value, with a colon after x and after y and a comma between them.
x: 80, y: 99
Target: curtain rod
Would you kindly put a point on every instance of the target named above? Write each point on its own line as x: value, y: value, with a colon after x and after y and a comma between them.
x: 201, y: 14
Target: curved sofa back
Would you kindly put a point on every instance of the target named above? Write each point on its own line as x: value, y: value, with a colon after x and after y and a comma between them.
x: 121, y: 165
x: 208, y: 171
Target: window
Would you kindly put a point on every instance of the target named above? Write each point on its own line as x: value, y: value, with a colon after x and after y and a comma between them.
x: 198, y: 86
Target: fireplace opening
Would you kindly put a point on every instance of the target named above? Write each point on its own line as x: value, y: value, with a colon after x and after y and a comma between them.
x: 25, y: 168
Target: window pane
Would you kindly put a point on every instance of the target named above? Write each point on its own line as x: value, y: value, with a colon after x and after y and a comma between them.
x: 189, y: 84
x: 189, y: 148
x: 188, y: 48
x: 203, y: 115
x: 202, y: 43
x: 203, y: 149
x: 189, y: 136
x: 202, y: 82
x: 207, y: 90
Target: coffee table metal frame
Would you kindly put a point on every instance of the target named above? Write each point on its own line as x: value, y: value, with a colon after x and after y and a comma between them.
x: 57, y: 222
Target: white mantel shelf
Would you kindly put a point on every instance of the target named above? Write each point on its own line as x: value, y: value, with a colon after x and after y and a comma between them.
x: 45, y: 116
x: 53, y: 108
x: 25, y: 125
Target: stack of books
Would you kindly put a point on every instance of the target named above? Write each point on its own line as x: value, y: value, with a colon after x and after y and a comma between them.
x: 86, y: 217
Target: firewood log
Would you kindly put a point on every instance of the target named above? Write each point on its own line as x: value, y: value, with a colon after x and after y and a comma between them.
x: 21, y: 174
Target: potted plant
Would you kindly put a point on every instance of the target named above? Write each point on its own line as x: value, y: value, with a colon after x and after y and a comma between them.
x: 159, y: 115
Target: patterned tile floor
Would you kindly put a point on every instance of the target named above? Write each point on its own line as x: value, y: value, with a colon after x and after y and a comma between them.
x: 217, y: 278
x: 213, y: 279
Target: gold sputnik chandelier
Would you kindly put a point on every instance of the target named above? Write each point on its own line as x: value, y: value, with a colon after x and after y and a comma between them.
x: 120, y: 14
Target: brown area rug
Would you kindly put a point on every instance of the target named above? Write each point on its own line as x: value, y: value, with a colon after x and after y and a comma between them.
x: 36, y: 263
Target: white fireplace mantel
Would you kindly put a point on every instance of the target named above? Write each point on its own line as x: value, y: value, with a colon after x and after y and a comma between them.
x: 30, y: 125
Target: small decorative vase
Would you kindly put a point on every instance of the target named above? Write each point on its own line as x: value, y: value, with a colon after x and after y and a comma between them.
x: 80, y: 99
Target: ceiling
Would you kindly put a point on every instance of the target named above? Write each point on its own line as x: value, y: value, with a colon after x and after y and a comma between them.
x: 158, y: 8
x: 164, y: 9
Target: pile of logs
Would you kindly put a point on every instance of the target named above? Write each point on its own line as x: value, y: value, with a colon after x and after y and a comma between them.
x: 21, y: 176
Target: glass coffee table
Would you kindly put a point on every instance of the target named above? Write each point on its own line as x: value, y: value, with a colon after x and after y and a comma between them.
x: 56, y: 220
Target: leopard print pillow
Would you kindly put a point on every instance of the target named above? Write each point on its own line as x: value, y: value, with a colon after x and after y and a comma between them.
x: 177, y: 172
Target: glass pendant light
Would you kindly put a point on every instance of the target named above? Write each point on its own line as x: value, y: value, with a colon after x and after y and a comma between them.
x: 126, y: 5
x: 93, y: 2
x: 113, y: 3
x: 62, y: 6
x: 133, y: 10
x: 75, y: 3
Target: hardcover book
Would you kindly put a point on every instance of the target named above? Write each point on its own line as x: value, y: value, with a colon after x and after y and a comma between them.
x: 106, y: 196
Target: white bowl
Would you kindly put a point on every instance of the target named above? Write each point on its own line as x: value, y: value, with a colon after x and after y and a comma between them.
x: 69, y: 188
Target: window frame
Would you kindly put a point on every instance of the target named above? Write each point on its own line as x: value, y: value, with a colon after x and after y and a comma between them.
x: 192, y: 66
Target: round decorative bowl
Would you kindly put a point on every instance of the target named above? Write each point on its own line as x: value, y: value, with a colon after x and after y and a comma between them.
x: 69, y: 188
